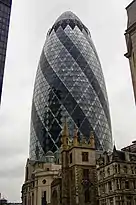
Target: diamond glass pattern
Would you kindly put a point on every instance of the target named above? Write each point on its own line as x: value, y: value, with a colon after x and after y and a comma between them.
x: 69, y: 83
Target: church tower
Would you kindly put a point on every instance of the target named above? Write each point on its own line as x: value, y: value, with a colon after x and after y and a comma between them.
x: 78, y: 169
x: 65, y: 165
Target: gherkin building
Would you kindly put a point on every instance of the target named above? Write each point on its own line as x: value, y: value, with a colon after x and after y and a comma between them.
x: 69, y: 84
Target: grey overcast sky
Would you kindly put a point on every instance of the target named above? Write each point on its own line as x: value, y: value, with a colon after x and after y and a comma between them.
x: 30, y: 21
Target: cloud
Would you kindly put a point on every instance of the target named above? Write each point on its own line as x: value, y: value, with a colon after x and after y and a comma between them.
x: 15, y: 172
x: 30, y: 21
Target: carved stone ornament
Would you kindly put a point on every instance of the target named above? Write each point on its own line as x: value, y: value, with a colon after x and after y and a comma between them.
x: 132, y: 157
x: 100, y: 161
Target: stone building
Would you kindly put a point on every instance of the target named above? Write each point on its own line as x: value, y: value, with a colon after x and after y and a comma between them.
x: 77, y: 184
x: 131, y: 41
x: 84, y: 176
x: 36, y: 189
x: 116, y: 174
x: 56, y: 191
x: 3, y: 201
x: 130, y: 148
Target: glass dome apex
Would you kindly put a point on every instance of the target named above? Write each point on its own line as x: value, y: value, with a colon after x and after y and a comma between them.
x: 68, y: 18
x: 67, y: 15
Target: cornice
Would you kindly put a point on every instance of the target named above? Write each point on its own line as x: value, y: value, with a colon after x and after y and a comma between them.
x: 131, y: 28
x: 130, y: 4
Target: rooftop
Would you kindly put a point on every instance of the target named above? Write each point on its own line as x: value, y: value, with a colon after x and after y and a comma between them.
x: 67, y: 15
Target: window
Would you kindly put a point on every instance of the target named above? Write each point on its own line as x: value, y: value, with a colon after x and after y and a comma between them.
x: 103, y: 188
x: 110, y: 186
x: 99, y: 189
x: 108, y: 171
x: 32, y: 198
x: 132, y: 170
x: 103, y: 202
x: 126, y: 184
x: 70, y: 158
x: 101, y: 174
x: 85, y: 156
x: 85, y: 173
x: 128, y: 201
x: 110, y: 201
x: 43, y: 197
x: 135, y: 170
x: 44, y: 181
x: 119, y: 200
x: 116, y: 168
x: 125, y: 169
x: 29, y: 200
x: 33, y: 184
x: 134, y: 184
x: 26, y: 173
x: 118, y: 184
x: 87, y: 195
x: 71, y: 175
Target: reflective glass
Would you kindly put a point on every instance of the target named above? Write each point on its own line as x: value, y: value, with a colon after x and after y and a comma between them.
x: 69, y: 83
x: 5, y: 7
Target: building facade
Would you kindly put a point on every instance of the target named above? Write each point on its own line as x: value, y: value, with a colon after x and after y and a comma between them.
x: 5, y: 9
x: 116, y: 174
x: 36, y: 189
x: 110, y: 179
x: 131, y: 41
x: 78, y: 182
x: 3, y: 201
x: 69, y: 83
x: 84, y: 176
x: 130, y: 148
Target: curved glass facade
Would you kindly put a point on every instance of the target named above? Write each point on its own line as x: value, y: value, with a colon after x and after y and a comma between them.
x: 69, y: 83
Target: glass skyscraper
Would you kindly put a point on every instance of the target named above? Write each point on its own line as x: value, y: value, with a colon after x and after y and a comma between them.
x: 5, y: 9
x: 69, y: 83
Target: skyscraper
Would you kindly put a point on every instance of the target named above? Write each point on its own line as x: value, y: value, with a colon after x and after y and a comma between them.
x: 131, y: 41
x: 69, y: 83
x: 5, y: 8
